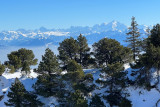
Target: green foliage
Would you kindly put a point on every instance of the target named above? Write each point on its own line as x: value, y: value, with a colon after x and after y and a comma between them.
x: 73, y: 66
x: 89, y: 77
x: 2, y: 69
x: 12, y: 69
x: 19, y: 97
x: 32, y: 100
x: 22, y: 58
x: 155, y: 36
x: 114, y: 99
x: 68, y: 50
x: 108, y: 51
x: 111, y: 69
x: 84, y: 50
x: 14, y: 60
x: 77, y: 100
x: 151, y: 57
x: 49, y: 63
x: 133, y: 38
x: 47, y: 85
x: 83, y: 87
x: 96, y: 102
x: 125, y: 103
x: 115, y: 76
x: 74, y: 76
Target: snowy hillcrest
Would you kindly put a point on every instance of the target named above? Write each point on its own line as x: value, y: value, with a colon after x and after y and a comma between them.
x: 43, y: 36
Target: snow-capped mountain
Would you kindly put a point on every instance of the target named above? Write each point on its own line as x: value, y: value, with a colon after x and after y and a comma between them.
x: 43, y: 36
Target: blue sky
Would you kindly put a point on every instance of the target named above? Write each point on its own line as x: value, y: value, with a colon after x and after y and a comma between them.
x: 32, y: 14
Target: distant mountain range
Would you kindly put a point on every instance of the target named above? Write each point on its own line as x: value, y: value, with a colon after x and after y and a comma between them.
x: 44, y: 36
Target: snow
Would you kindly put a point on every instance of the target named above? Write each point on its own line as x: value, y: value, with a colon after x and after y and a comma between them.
x: 146, y: 99
x: 7, y: 79
x: 139, y: 96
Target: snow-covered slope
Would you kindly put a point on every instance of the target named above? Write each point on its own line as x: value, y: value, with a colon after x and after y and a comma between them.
x: 140, y: 97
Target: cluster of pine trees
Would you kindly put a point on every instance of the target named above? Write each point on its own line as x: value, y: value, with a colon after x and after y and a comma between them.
x: 72, y: 89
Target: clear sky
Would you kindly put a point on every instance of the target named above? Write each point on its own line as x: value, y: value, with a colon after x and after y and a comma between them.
x: 32, y: 14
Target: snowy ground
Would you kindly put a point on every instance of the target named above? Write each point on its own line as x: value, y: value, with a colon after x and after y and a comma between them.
x: 139, y: 96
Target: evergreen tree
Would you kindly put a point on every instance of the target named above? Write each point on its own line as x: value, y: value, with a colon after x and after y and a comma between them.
x: 73, y: 66
x: 155, y: 36
x: 49, y: 63
x: 84, y: 50
x: 19, y: 97
x: 144, y: 41
x: 2, y: 69
x: 68, y: 50
x: 151, y: 56
x: 74, y: 72
x: 96, y: 102
x: 114, y: 99
x: 47, y: 85
x: 89, y: 77
x: 32, y: 101
x: 22, y: 58
x: 125, y: 103
x: 133, y: 38
x: 77, y: 100
x: 116, y: 78
x: 108, y: 51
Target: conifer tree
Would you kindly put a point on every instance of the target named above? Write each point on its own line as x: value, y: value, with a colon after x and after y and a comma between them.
x: 125, y: 103
x: 108, y: 51
x: 22, y: 58
x: 48, y: 84
x: 16, y: 95
x: 74, y: 72
x: 116, y: 78
x: 77, y: 100
x: 19, y: 97
x: 49, y: 63
x: 151, y: 56
x: 2, y: 69
x: 133, y: 38
x: 68, y: 50
x: 96, y: 102
x: 73, y: 66
x: 84, y: 50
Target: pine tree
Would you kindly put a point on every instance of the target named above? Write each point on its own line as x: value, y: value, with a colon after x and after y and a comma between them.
x: 19, y: 97
x: 73, y: 66
x: 47, y: 85
x: 2, y: 69
x: 133, y: 38
x: 49, y: 63
x: 68, y: 50
x: 116, y: 78
x: 96, y: 102
x: 125, y: 103
x: 16, y: 96
x: 77, y: 100
x: 22, y: 58
x: 151, y: 56
x: 32, y: 101
x: 84, y: 50
x: 108, y: 51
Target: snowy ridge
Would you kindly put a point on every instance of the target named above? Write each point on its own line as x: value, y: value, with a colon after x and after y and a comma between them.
x: 140, y: 97
x: 42, y: 36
